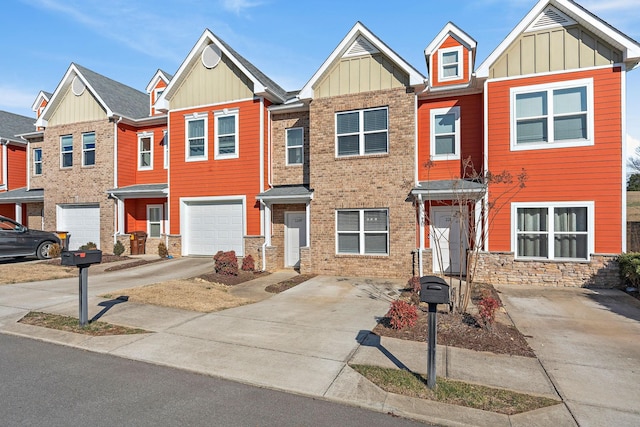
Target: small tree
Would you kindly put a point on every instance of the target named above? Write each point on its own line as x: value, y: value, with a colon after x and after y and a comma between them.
x: 162, y: 250
x: 633, y: 183
x: 118, y: 248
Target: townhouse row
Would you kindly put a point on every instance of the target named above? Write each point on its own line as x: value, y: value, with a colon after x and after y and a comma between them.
x: 370, y: 169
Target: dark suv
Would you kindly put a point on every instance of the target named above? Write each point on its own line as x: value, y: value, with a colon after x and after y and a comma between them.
x: 16, y: 240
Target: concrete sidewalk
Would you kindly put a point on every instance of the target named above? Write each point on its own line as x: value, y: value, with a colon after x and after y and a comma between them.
x: 299, y: 341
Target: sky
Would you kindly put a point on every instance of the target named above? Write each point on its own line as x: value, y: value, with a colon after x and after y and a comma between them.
x: 288, y: 40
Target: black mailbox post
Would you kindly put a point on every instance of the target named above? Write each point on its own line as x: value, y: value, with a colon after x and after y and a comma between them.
x: 433, y: 290
x: 82, y: 260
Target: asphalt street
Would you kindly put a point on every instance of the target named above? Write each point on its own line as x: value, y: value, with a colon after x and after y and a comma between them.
x: 47, y: 384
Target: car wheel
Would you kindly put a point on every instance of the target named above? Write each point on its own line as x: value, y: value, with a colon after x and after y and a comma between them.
x: 43, y: 250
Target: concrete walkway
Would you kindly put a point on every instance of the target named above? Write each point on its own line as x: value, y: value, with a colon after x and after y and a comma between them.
x: 299, y: 341
x: 588, y: 342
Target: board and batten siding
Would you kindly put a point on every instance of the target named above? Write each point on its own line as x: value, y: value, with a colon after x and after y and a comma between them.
x: 76, y: 109
x: 587, y: 173
x: 358, y: 74
x: 223, y: 177
x: 205, y: 86
x: 555, y: 49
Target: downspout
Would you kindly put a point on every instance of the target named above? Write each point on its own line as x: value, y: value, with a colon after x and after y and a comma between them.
x: 269, y: 166
x: 5, y: 164
x: 485, y: 222
x: 267, y: 233
x: 28, y: 166
x: 116, y: 219
x: 623, y: 84
x: 421, y: 225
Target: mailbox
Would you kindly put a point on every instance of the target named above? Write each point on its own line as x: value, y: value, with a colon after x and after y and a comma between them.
x: 434, y: 290
x: 79, y: 258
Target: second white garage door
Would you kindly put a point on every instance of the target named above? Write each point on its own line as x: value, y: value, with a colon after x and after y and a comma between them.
x: 82, y: 222
x: 210, y: 227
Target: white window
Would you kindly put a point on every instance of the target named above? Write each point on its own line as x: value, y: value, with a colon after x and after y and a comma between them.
x: 165, y: 145
x: 196, y: 137
x: 450, y: 63
x: 37, y: 161
x: 66, y: 151
x: 445, y: 133
x: 226, y: 140
x: 295, y: 146
x: 553, y: 231
x: 362, y: 231
x: 145, y: 151
x: 552, y: 116
x: 154, y: 220
x: 89, y: 149
x: 362, y: 132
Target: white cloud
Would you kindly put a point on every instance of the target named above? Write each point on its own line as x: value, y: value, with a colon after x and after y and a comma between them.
x: 12, y: 98
x: 611, y: 5
x: 238, y: 6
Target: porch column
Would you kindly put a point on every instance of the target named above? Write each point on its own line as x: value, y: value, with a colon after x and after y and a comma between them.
x: 120, y: 216
x: 308, y: 219
x: 267, y: 224
x: 478, y: 223
x: 19, y: 213
x: 421, y: 220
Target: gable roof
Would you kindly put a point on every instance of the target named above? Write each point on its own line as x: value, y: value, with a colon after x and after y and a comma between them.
x: 159, y: 75
x: 42, y: 95
x: 15, y: 124
x: 629, y: 47
x: 116, y: 98
x: 262, y: 85
x: 355, y: 35
x: 454, y: 31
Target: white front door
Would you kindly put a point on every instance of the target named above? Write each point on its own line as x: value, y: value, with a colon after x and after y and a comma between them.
x: 295, y: 237
x: 448, y: 239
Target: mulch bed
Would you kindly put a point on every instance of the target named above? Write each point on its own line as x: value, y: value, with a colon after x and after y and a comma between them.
x: 276, y: 288
x: 463, y: 330
x: 231, y: 280
x: 106, y: 258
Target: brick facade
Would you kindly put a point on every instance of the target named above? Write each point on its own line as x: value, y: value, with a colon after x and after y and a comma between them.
x: 34, y: 215
x: 375, y: 181
x: 292, y: 174
x: 253, y: 247
x: 78, y: 184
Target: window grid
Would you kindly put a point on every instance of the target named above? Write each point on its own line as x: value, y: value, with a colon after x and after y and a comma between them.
x: 196, y: 138
x: 362, y: 231
x: 450, y: 63
x: 445, y: 133
x: 66, y: 151
x: 362, y: 132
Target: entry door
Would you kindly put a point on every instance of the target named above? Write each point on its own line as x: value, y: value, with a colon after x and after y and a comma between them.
x: 295, y: 237
x: 448, y: 240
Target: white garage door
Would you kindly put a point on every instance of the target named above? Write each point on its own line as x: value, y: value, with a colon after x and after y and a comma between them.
x: 213, y: 226
x: 82, y: 222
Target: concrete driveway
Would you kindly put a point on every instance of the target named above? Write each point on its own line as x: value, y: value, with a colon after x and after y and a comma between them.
x: 588, y: 341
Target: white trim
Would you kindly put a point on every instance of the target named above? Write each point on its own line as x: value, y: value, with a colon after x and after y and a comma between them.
x: 5, y: 167
x: 623, y: 116
x: 362, y: 233
x: 141, y: 136
x: 34, y: 161
x: 460, y: 64
x: 214, y: 105
x: 84, y: 151
x: 62, y: 153
x: 549, y: 88
x: 286, y: 146
x: 432, y: 137
x: 287, y: 216
x: 217, y: 115
x: 591, y: 232
x: 165, y: 148
x: 485, y: 222
x: 161, y: 208
x: 193, y: 117
x: 361, y: 132
x: 261, y: 144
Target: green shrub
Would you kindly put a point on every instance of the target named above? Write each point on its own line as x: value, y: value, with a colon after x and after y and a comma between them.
x: 88, y: 246
x: 248, y: 264
x: 630, y: 268
x: 226, y: 263
x: 118, y: 248
x: 402, y: 314
x: 162, y: 250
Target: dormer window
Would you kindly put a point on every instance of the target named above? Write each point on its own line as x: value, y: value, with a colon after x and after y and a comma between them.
x: 450, y: 61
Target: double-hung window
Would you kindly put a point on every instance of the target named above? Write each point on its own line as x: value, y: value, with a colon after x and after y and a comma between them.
x: 552, y: 116
x: 89, y: 149
x: 145, y: 151
x: 558, y: 231
x: 295, y: 146
x: 445, y: 133
x: 362, y: 231
x: 226, y: 140
x: 450, y: 63
x: 362, y: 132
x: 66, y: 151
x: 37, y: 161
x: 154, y: 220
x: 196, y: 137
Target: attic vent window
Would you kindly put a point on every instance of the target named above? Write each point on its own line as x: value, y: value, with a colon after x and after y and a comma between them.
x: 361, y: 47
x: 77, y: 86
x: 550, y: 18
x: 211, y: 56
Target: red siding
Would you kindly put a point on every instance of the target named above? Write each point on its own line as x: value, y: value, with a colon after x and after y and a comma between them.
x: 563, y: 174
x: 8, y: 210
x: 228, y: 177
x: 17, y: 167
x: 435, y: 79
x: 136, y: 213
x: 128, y: 173
x: 471, y: 137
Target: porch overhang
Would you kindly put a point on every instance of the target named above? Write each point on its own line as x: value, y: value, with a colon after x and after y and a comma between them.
x: 450, y: 189
x: 286, y: 194
x: 22, y: 195
x: 140, y: 191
